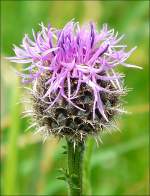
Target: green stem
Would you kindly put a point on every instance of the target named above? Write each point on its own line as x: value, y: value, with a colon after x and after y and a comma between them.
x: 75, y: 162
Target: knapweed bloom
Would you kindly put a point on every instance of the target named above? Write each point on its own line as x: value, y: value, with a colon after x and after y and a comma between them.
x: 76, y: 90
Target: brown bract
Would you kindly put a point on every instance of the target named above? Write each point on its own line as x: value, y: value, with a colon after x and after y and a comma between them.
x: 63, y: 119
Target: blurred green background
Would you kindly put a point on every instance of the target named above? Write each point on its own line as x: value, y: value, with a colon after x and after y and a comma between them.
x: 119, y: 166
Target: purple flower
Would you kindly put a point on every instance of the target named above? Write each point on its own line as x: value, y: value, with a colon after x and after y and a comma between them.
x: 84, y: 54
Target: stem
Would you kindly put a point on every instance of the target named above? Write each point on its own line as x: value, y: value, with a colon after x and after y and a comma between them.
x: 75, y: 162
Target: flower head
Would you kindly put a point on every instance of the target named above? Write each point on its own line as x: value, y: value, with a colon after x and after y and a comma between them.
x: 76, y: 89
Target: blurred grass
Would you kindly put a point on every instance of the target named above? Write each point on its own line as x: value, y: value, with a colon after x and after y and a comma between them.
x: 120, y: 165
x: 12, y: 150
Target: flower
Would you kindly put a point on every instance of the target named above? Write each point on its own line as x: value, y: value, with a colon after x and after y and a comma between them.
x: 76, y: 90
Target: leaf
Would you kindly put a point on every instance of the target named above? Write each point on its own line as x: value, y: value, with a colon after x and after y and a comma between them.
x: 65, y: 147
x: 74, y: 176
x: 64, y: 172
x: 65, y: 152
x: 62, y: 178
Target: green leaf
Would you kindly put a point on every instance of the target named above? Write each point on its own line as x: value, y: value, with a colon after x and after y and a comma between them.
x: 62, y: 178
x: 65, y: 152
